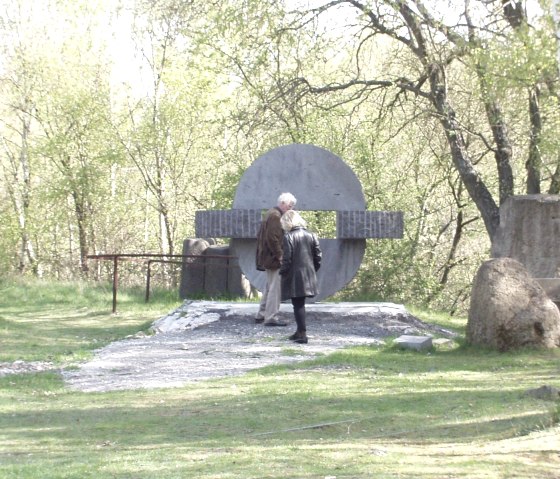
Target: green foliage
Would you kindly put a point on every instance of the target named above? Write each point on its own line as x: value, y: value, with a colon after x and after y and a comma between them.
x: 124, y: 146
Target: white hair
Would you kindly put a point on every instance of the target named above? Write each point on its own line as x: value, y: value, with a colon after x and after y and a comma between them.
x: 287, y: 199
x: 292, y: 219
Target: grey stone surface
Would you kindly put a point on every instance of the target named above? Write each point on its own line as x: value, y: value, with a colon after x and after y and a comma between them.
x: 350, y: 224
x: 530, y: 233
x: 237, y: 284
x: 418, y: 343
x: 228, y: 223
x: 319, y: 179
x: 369, y: 224
x: 202, y: 340
x: 19, y: 367
x: 192, y: 269
x: 509, y: 309
x: 551, y: 287
x: 216, y: 270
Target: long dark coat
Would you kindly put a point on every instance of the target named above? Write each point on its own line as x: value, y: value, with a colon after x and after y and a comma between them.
x: 269, y: 241
x: 300, y: 262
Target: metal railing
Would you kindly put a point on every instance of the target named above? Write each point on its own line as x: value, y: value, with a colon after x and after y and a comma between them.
x: 115, y: 258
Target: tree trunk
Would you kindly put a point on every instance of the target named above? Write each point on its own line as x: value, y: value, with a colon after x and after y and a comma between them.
x: 18, y: 181
x: 503, y: 150
x: 473, y: 183
x: 534, y: 161
x: 556, y: 17
x: 81, y: 219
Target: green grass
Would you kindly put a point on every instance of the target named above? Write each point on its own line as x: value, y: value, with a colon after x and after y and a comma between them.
x: 363, y: 412
x: 64, y: 322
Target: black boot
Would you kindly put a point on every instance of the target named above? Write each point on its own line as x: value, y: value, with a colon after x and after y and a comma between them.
x: 299, y: 337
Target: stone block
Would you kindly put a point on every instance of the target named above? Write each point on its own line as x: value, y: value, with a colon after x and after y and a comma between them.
x: 237, y: 283
x: 529, y: 232
x: 509, y: 309
x: 192, y: 269
x: 237, y: 223
x: 369, y: 224
x: 216, y: 271
x: 418, y: 343
x: 318, y: 178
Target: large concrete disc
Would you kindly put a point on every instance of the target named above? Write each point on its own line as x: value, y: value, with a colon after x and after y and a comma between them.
x: 320, y: 181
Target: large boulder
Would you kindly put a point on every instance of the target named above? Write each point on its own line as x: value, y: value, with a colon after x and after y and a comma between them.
x: 510, y: 310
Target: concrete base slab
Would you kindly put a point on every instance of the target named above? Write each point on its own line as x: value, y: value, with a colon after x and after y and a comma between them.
x: 204, y: 340
x: 419, y: 343
x: 192, y: 314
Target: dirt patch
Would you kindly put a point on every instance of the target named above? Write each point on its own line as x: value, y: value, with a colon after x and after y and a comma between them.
x: 20, y: 367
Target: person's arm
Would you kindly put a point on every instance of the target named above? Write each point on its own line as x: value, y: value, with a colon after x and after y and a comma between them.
x: 287, y: 248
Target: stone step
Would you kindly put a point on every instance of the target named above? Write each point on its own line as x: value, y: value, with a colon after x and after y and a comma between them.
x: 419, y: 343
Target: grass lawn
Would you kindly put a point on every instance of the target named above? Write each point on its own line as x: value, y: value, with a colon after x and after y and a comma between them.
x: 365, y: 412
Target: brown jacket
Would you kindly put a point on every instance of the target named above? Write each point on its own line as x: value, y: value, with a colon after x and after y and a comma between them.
x: 269, y: 241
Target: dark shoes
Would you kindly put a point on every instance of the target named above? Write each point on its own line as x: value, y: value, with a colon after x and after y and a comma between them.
x: 275, y: 323
x: 259, y: 320
x: 297, y: 337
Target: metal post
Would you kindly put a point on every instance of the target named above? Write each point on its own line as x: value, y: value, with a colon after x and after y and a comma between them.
x: 115, y: 259
x: 148, y: 275
x: 115, y: 281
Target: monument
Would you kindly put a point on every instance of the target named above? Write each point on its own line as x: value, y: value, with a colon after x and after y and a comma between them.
x: 320, y: 181
x: 529, y: 232
x: 516, y: 294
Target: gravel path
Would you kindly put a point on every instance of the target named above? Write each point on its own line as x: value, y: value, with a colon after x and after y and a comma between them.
x: 203, y: 340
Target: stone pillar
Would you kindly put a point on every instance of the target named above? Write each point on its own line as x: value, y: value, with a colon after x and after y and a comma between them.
x: 192, y: 269
x: 211, y: 275
x: 237, y: 283
x: 216, y: 271
x: 530, y: 233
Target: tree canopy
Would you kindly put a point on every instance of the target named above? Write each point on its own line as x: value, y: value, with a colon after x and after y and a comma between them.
x: 121, y: 119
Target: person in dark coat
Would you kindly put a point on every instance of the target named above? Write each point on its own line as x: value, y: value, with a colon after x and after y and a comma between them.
x: 268, y: 258
x: 301, y: 260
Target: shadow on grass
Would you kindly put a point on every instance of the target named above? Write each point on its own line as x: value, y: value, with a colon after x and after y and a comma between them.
x: 283, y: 406
x: 351, y: 399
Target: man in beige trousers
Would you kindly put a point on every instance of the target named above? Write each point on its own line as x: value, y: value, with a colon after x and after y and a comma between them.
x: 269, y: 258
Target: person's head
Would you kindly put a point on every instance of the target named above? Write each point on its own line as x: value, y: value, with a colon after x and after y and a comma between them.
x: 292, y: 219
x: 286, y: 201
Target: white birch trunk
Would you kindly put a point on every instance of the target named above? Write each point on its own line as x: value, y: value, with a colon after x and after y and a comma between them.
x: 556, y: 17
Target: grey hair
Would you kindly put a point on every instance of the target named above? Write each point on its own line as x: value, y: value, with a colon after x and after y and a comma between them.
x: 291, y: 219
x: 287, y: 199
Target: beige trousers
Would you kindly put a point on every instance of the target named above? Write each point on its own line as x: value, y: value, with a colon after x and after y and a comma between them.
x: 270, y: 300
